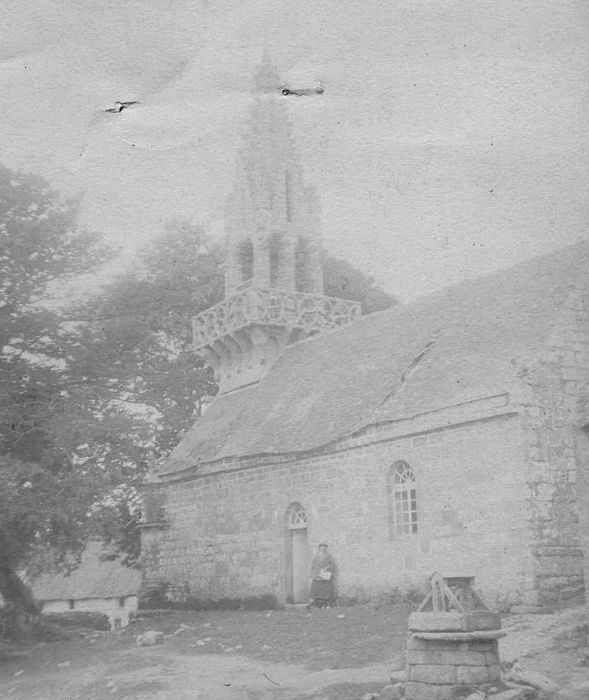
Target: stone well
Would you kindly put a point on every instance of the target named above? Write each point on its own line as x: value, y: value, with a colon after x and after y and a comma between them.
x: 451, y: 646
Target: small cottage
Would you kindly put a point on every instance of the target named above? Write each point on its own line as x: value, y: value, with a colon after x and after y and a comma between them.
x: 96, y: 585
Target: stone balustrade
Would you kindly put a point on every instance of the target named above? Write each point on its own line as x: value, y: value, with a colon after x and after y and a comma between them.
x: 311, y: 313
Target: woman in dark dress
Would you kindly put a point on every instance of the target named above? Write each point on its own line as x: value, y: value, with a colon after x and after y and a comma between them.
x: 323, y: 570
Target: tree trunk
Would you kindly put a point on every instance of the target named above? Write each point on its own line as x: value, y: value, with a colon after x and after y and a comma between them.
x: 21, y: 609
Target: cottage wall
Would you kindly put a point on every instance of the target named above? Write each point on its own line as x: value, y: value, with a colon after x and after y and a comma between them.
x: 117, y: 609
x: 556, y: 455
x: 227, y: 535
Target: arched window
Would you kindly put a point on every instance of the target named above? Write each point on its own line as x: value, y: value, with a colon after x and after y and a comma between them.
x: 402, y: 493
x: 296, y: 517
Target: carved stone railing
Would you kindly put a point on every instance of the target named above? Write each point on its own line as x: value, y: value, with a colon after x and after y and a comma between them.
x: 272, y: 307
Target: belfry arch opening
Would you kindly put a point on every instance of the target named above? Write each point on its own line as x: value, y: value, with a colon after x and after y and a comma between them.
x: 275, y: 255
x: 303, y: 265
x: 245, y: 259
x: 296, y: 553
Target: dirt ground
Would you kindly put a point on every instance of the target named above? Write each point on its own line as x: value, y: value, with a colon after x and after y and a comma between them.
x: 334, y: 654
x: 292, y: 653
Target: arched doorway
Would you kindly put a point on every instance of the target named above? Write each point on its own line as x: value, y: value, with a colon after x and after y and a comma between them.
x: 297, y: 554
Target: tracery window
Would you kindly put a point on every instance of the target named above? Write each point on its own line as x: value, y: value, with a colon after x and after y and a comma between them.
x: 297, y: 517
x: 402, y: 493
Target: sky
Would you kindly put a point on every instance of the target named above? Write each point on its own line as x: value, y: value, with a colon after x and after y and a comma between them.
x: 450, y: 141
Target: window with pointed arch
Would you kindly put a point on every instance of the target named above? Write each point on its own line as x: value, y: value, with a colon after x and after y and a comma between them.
x: 402, y: 494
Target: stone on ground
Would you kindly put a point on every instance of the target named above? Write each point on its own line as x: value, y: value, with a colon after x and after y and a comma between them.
x: 521, y: 675
x: 512, y: 694
x: 397, y: 663
x: 398, y: 676
x: 392, y: 692
x: 149, y: 638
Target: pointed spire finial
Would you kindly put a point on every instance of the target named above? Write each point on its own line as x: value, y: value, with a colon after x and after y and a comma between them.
x: 267, y: 79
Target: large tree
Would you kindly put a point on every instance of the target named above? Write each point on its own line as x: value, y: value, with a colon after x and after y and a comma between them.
x: 138, y: 356
x: 343, y: 280
x: 136, y: 334
x: 42, y: 492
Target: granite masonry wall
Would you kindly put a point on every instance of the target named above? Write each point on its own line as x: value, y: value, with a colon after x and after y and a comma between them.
x: 226, y: 534
x: 435, y: 668
x: 582, y: 440
x: 503, y: 495
x: 556, y: 461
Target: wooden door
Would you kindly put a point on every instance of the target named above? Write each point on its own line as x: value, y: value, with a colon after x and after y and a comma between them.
x: 300, y: 565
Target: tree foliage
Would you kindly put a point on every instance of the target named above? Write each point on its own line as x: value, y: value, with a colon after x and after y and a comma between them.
x: 42, y: 493
x: 345, y: 281
x: 138, y: 333
x: 138, y: 340
x: 39, y: 245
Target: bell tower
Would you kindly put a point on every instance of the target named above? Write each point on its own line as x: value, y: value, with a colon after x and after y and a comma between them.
x: 273, y: 267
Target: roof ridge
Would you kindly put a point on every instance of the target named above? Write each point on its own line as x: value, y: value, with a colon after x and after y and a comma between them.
x: 527, y: 262
x: 484, y: 329
x: 436, y: 293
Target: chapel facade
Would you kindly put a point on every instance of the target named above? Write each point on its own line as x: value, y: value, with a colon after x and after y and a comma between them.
x: 447, y: 434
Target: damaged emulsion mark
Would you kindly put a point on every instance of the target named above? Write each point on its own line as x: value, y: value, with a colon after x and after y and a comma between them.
x: 317, y: 90
x: 412, y: 365
x: 271, y: 681
x: 117, y: 109
x: 120, y: 106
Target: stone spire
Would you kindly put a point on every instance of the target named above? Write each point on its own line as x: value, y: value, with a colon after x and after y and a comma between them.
x: 273, y: 238
x: 266, y: 77
x: 273, y: 268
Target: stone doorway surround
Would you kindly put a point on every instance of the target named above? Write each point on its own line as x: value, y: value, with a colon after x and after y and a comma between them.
x: 297, y: 554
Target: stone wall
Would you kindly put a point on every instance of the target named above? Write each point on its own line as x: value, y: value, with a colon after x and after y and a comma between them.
x: 551, y: 422
x: 227, y: 535
x: 583, y: 505
x: 436, y: 668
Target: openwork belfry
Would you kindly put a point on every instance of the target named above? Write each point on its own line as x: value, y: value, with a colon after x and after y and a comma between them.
x: 274, y: 267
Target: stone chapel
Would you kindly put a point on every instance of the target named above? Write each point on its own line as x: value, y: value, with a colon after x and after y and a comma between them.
x: 447, y: 434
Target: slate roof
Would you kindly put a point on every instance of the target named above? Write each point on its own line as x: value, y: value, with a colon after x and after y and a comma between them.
x: 459, y: 344
x: 94, y: 578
